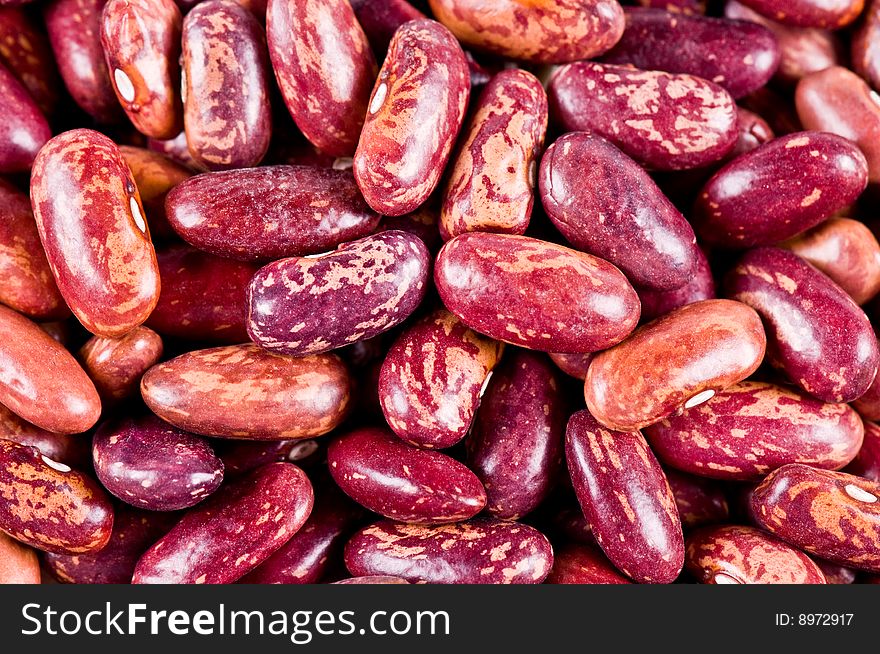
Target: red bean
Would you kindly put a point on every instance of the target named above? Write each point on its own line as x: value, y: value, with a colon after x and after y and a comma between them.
x: 809, y: 13
x: 116, y: 365
x: 24, y: 129
x: 583, y: 564
x: 867, y: 461
x: 18, y: 562
x: 699, y: 501
x: 25, y: 51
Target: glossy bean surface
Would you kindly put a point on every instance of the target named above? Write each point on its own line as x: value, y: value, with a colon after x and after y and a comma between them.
x: 18, y: 562
x: 116, y: 365
x: 831, y: 14
x: 583, y: 564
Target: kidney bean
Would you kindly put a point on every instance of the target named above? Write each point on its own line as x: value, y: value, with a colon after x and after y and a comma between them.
x: 664, y: 121
x: 243, y: 391
x: 141, y: 41
x: 25, y: 51
x: 699, y: 501
x: 680, y: 359
x: 49, y: 506
x: 432, y: 379
x: 745, y: 555
x: 776, y: 107
x: 868, y: 405
x: 482, y: 551
x: 381, y: 18
x: 754, y: 427
x: 373, y: 580
x: 40, y: 381
x: 320, y: 52
x: 368, y: 286
x: 583, y: 564
x: 817, y: 335
x: 177, y: 150
x: 116, y: 365
x: 573, y: 365
x: 70, y: 450
x: 105, y: 266
x: 26, y: 282
x: 753, y: 131
x: 846, y: 251
x: 834, y: 515
x: 836, y: 574
x: 515, y: 446
x: 813, y: 175
x: 605, y: 204
x: 149, y: 464
x: 133, y: 532
x: 402, y: 482
x: 535, y: 294
x: 74, y: 28
x: 233, y: 532
x: 700, y: 287
x: 226, y: 112
x: 491, y: 186
x: 415, y: 112
x: 423, y: 223
x: 154, y: 175
x: 24, y: 129
x: 270, y: 212
x: 687, y: 7
x: 626, y: 499
x: 865, y: 45
x: 240, y: 457
x: 551, y: 32
x: 18, y: 562
x: 867, y: 462
x: 739, y: 56
x: 831, y: 14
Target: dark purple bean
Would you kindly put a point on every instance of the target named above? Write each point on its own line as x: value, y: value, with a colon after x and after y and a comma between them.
x: 23, y: 130
x: 658, y: 303
x: 699, y: 501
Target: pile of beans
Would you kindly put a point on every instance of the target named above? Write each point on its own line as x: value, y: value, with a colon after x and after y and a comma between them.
x: 456, y: 291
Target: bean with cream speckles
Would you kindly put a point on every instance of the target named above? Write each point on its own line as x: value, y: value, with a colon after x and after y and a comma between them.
x: 678, y: 360
x: 700, y: 501
x: 414, y: 115
x: 700, y: 287
x: 745, y: 555
x: 812, y: 174
x: 18, y: 562
x: 831, y: 14
x: 515, y: 446
x: 548, y: 32
x: 367, y: 286
x: 116, y: 365
x: 270, y: 212
x: 749, y: 429
x: 535, y: 294
x: 481, y: 551
x: 72, y: 450
x: 92, y: 226
x: 233, y: 532
x: 24, y: 129
x: 626, y: 499
x: 491, y: 186
x: 867, y: 461
x: 816, y: 334
x: 243, y: 391
x: 155, y: 175
x: 833, y: 515
x: 577, y: 563
x: 49, y: 506
x: 25, y: 51
x: 141, y: 41
x: 402, y: 482
x: 605, y: 204
x: 432, y: 379
x: 324, y: 67
x: 665, y: 121
x: 149, y: 464
x: 226, y: 112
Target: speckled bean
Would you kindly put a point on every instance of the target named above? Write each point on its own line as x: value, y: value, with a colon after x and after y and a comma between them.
x: 700, y: 501
x: 25, y: 51
x: 18, y: 562
x: 867, y: 461
x: 116, y: 365
x: 64, y: 448
x: 24, y: 129
x: 831, y: 14
x: 154, y: 175
x: 583, y: 564
x: 700, y: 287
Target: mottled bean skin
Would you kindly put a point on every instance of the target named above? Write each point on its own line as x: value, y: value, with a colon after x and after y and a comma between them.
x: 515, y: 446
x: 816, y: 334
x: 367, y: 286
x: 70, y: 450
x: 535, y: 294
x: 92, y: 226
x: 482, y: 551
x: 49, y: 506
x: 381, y: 18
x: 243, y: 391
x: 689, y: 353
x: 745, y: 555
x: 664, y: 121
x: 24, y: 129
x: 402, y: 482
x: 74, y: 28
x: 226, y: 112
x: 868, y: 405
x: 116, y: 365
x: 270, y: 212
x: 749, y: 429
x: 204, y: 298
x: 867, y: 461
x: 149, y: 464
x: 604, y: 203
x: 154, y: 175
x: 738, y: 56
x: 40, y: 381
x: 177, y: 150
x: 573, y: 365
x: 26, y: 282
x: 18, y: 562
x: 583, y: 564
x: 699, y: 501
x: 831, y: 14
x: 833, y: 515
x: 846, y: 251
x: 432, y: 379
x: 865, y: 46
x: 25, y: 51
x: 812, y: 174
x: 324, y: 67
x: 551, y: 32
x: 233, y: 532
x: 141, y: 41
x: 700, y: 287
x: 626, y: 499
x: 491, y: 186
x: 414, y: 115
